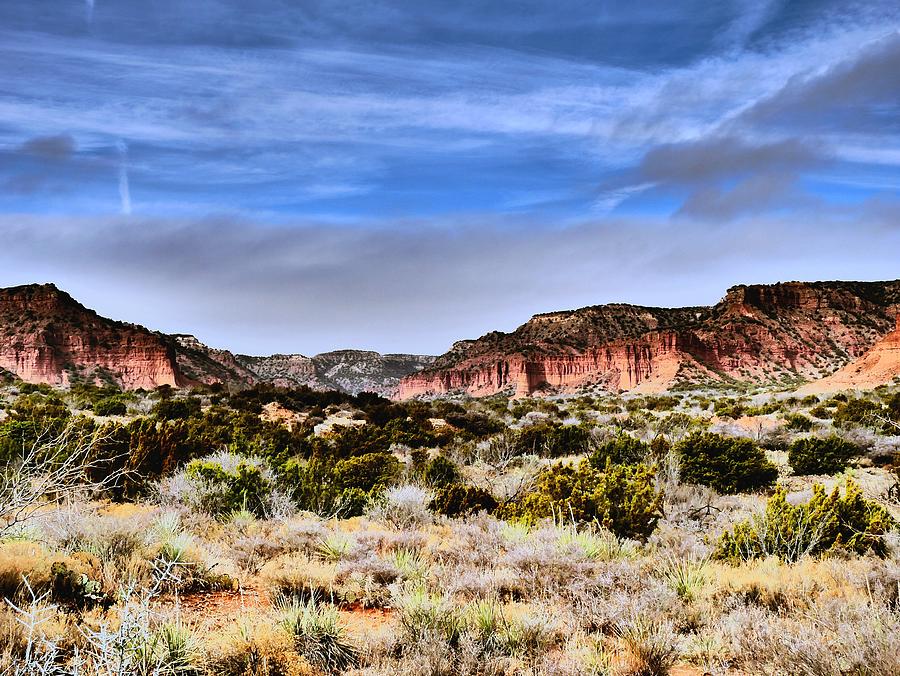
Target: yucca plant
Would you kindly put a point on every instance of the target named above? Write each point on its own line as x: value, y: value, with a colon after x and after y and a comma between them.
x: 424, y: 615
x: 334, y: 547
x: 489, y: 626
x: 176, y: 548
x: 599, y: 662
x: 171, y: 649
x: 649, y: 645
x: 242, y: 519
x: 317, y: 634
x: 529, y: 634
x: 686, y: 577
x: 597, y: 545
x: 515, y: 532
x: 165, y: 527
x: 410, y: 563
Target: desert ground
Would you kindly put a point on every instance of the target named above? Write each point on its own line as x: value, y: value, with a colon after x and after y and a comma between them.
x: 275, y: 531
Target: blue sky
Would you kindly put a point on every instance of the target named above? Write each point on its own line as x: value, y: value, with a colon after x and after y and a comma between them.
x: 302, y: 176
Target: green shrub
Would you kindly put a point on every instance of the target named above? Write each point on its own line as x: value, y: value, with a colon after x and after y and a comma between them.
x: 857, y: 412
x: 553, y: 441
x: 621, y: 498
x: 367, y: 472
x: 729, y: 408
x: 765, y: 409
x: 313, y: 487
x: 176, y: 409
x: 245, y: 485
x: 677, y: 424
x: 114, y: 405
x: 815, y: 455
x: 653, y: 403
x: 318, y: 635
x: 828, y: 523
x: 441, y: 471
x: 798, y: 422
x: 623, y: 450
x: 459, y: 500
x: 476, y: 424
x: 37, y: 407
x: 821, y: 412
x: 726, y: 464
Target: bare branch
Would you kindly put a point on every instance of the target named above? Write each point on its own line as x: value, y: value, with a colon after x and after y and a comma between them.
x: 53, y: 469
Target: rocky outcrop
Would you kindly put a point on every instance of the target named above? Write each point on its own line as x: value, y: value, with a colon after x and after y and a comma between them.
x: 352, y: 371
x: 358, y: 371
x: 759, y: 333
x: 879, y: 366
x: 283, y: 370
x: 206, y: 365
x: 48, y: 337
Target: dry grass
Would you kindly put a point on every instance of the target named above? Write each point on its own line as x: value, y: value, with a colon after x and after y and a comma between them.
x: 401, y: 591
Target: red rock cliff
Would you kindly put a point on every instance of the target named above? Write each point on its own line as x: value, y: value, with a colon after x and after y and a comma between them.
x: 48, y: 337
x: 759, y: 333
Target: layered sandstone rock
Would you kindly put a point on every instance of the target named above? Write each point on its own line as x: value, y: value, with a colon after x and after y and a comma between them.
x: 48, y: 337
x: 759, y: 333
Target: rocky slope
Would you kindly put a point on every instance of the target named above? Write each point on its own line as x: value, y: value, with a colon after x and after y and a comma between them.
x: 759, y: 333
x: 352, y: 371
x: 879, y: 366
x: 207, y: 365
x: 283, y: 370
x: 48, y: 337
x: 356, y: 370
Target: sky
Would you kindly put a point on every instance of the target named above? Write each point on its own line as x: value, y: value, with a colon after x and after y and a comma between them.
x: 300, y: 176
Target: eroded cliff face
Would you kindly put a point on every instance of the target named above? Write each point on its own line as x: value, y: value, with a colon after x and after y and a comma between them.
x: 648, y: 364
x: 48, y: 337
x: 879, y: 366
x: 759, y: 333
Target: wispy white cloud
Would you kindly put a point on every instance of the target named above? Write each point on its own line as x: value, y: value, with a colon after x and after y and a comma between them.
x: 416, y: 156
x: 311, y: 286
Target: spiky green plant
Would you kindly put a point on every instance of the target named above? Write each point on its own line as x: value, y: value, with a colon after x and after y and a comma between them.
x: 597, y: 544
x: 410, y: 563
x: 686, y: 577
x: 334, y: 547
x: 242, y: 519
x: 423, y: 615
x: 486, y: 622
x: 178, y: 650
x: 651, y: 645
x: 317, y: 634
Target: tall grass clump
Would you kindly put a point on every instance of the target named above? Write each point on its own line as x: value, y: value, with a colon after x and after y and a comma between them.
x: 317, y: 634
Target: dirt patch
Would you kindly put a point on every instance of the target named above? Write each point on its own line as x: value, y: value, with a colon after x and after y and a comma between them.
x: 361, y: 621
x: 216, y: 609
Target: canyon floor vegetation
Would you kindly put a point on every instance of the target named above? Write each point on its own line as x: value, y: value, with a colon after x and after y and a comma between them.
x: 270, y: 531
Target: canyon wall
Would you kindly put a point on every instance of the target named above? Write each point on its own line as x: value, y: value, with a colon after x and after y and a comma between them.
x: 778, y: 333
x: 48, y: 337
